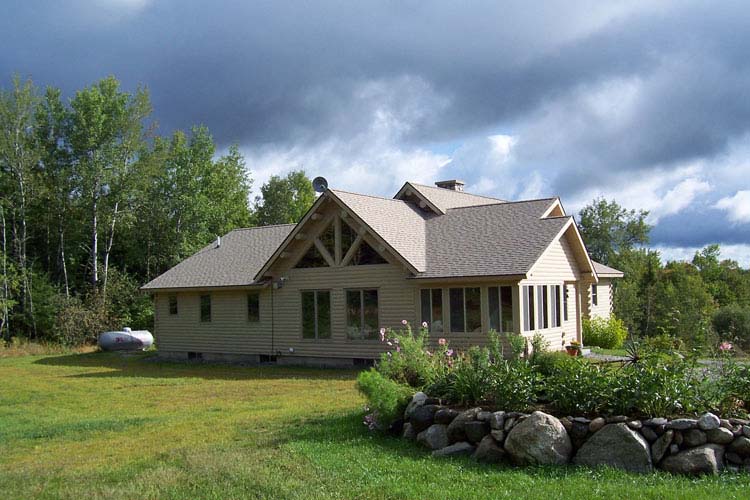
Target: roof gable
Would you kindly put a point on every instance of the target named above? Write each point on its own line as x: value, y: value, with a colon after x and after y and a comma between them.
x: 440, y: 200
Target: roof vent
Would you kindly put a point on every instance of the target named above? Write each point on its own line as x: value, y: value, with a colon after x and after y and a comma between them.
x: 453, y: 185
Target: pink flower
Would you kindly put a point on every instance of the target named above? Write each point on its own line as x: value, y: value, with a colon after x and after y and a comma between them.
x: 449, y: 352
x: 424, y: 324
x: 404, y: 322
x: 725, y: 346
x: 398, y: 349
x: 442, y: 341
x: 382, y: 334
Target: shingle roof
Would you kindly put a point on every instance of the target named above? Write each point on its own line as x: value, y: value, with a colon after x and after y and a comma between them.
x: 606, y: 271
x: 400, y: 224
x: 489, y: 240
x: 446, y: 199
x: 234, y: 263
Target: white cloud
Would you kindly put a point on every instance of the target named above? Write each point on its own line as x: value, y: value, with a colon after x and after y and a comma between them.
x: 737, y: 206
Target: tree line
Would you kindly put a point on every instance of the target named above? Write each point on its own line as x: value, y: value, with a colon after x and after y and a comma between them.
x: 94, y: 203
x: 693, y: 304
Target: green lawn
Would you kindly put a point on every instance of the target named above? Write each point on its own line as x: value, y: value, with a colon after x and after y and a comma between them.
x: 110, y: 426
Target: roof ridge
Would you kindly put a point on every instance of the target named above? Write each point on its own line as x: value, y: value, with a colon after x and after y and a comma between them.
x: 261, y: 227
x: 367, y: 195
x: 459, y: 192
x: 506, y: 203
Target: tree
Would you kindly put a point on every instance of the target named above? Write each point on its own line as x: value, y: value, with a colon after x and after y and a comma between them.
x: 284, y: 200
x: 609, y: 230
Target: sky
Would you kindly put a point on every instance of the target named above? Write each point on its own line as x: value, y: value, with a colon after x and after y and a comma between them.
x: 643, y: 102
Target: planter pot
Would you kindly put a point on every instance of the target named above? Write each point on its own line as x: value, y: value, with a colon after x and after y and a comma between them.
x: 573, y: 351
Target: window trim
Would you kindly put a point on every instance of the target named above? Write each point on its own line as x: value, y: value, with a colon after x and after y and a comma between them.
x: 361, y: 313
x: 556, y: 308
x: 565, y: 302
x: 200, y: 309
x: 430, y: 320
x: 594, y: 294
x: 529, y: 311
x: 316, y: 338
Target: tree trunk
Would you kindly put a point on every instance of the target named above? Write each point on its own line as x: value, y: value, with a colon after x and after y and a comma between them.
x: 63, y: 265
x: 4, y: 317
x: 94, y: 243
x: 109, y: 249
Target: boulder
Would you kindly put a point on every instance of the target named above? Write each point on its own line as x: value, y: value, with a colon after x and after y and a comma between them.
x: 661, y: 445
x: 567, y: 422
x: 674, y: 449
x: 746, y: 430
x: 636, y: 425
x: 694, y: 437
x: 617, y: 419
x: 733, y: 458
x: 682, y: 424
x: 618, y: 446
x: 706, y: 459
x: 498, y: 435
x: 539, y: 439
x: 579, y: 431
x: 434, y: 437
x: 476, y: 430
x: 650, y: 435
x: 741, y: 446
x: 423, y: 417
x: 679, y: 438
x: 460, y: 448
x: 719, y: 436
x: 488, y: 451
x: 484, y: 416
x: 409, y: 432
x: 655, y: 422
x: 497, y: 420
x: 596, y: 424
x: 709, y: 421
x: 509, y: 423
x: 416, y: 401
x: 456, y: 428
x: 445, y: 415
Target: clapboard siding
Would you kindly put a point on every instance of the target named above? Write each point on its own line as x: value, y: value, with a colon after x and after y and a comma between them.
x: 604, y: 304
x: 556, y: 266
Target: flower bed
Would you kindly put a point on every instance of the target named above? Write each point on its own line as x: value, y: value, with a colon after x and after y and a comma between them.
x: 663, y: 392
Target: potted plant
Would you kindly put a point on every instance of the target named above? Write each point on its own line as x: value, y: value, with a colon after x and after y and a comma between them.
x: 574, y: 348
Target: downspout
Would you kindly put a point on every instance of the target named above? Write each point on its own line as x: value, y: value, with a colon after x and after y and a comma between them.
x: 273, y: 285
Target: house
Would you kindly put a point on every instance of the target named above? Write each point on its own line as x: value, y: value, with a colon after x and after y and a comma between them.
x: 319, y: 291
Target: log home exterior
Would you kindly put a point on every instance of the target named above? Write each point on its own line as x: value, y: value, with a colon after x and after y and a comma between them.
x: 319, y: 291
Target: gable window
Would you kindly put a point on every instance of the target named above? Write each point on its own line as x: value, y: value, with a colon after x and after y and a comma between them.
x: 565, y: 303
x: 594, y: 295
x: 501, y: 308
x: 173, y: 305
x: 312, y: 258
x: 205, y: 308
x: 528, y: 308
x: 543, y: 302
x: 465, y: 309
x: 253, y: 307
x: 316, y: 314
x: 432, y: 308
x: 556, y: 305
x: 362, y: 314
x: 365, y: 255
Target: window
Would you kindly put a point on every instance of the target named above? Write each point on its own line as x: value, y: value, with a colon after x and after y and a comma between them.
x: 432, y: 308
x: 465, y: 309
x: 362, y: 314
x: 565, y: 303
x: 253, y: 307
x: 205, y: 308
x: 543, y: 302
x: 316, y: 314
x: 528, y: 308
x: 556, y: 306
x: 365, y: 255
x: 312, y: 258
x: 594, y: 295
x: 501, y: 308
x: 173, y: 304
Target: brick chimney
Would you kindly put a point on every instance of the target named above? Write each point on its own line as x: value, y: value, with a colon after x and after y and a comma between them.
x: 453, y: 185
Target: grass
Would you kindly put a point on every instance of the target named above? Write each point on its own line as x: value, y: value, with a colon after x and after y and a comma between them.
x: 99, y: 425
x: 610, y: 352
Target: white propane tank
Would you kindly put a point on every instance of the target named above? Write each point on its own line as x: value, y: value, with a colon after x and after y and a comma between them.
x: 126, y: 340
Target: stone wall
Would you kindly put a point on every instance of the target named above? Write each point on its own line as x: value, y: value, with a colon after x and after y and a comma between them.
x: 706, y: 445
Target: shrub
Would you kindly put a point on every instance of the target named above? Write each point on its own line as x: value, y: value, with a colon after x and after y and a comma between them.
x: 539, y: 345
x: 547, y: 362
x: 387, y: 399
x: 410, y: 362
x: 605, y: 333
x: 578, y: 387
x: 471, y: 376
x: 514, y: 385
x: 733, y: 322
x: 663, y: 343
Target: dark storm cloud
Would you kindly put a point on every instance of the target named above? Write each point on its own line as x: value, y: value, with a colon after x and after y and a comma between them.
x: 297, y: 74
x: 698, y: 229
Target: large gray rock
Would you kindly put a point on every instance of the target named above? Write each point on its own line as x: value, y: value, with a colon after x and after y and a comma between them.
x: 695, y: 437
x: 650, y: 435
x: 456, y: 428
x: 488, y: 451
x: 434, y: 437
x: 423, y: 417
x: 706, y: 459
x: 497, y: 420
x: 661, y: 445
x: 720, y: 436
x: 416, y: 401
x: 539, y: 439
x: 709, y: 421
x: 682, y: 424
x: 456, y: 449
x: 596, y: 424
x: 445, y: 416
x: 476, y: 430
x: 409, y: 432
x: 740, y: 446
x: 618, y: 446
